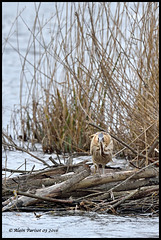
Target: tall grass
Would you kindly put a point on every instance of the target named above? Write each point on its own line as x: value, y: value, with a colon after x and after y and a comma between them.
x: 100, y: 65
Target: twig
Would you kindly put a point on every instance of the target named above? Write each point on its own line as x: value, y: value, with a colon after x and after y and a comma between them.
x: 156, y: 142
x: 24, y: 150
x: 17, y: 171
x: 123, y: 200
x: 111, y: 189
x: 39, y: 197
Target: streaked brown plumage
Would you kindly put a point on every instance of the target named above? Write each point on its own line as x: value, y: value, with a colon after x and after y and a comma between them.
x: 101, y: 149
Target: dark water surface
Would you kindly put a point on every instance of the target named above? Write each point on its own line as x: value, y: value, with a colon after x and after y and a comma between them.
x: 51, y: 224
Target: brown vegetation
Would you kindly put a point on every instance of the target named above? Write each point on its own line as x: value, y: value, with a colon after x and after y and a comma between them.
x: 100, y: 66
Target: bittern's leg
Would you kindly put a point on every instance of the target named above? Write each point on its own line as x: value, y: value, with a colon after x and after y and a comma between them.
x: 96, y: 168
x: 103, y: 169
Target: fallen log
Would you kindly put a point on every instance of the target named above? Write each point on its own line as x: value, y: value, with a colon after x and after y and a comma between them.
x: 38, y: 179
x: 35, y: 196
x: 115, y: 177
x: 51, y: 191
x: 129, y: 185
x: 25, y: 183
x: 100, y: 192
x: 142, y: 173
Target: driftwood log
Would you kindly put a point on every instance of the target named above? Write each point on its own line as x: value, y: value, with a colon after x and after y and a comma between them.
x: 81, y: 189
x: 34, y: 180
x: 51, y: 191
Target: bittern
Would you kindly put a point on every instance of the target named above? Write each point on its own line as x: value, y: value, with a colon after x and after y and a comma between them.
x: 101, y: 149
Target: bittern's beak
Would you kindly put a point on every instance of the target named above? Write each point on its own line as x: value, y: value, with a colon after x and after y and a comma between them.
x: 100, y: 137
x: 100, y: 140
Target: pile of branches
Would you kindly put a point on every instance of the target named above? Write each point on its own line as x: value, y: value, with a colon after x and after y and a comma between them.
x: 75, y: 187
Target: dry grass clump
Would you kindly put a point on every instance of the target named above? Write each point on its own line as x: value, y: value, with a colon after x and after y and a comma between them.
x: 101, y: 65
x: 61, y: 125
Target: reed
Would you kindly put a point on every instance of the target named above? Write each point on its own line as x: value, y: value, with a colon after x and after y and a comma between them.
x: 100, y: 65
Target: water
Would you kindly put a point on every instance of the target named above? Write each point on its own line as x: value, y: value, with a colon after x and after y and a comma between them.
x: 51, y: 224
x: 12, y: 64
x: 78, y: 224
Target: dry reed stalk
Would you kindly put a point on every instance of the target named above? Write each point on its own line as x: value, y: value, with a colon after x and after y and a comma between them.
x: 109, y: 73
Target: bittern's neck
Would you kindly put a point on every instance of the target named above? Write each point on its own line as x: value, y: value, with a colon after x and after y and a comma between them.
x: 101, y: 148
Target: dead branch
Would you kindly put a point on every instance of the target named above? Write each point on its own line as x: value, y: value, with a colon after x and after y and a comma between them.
x: 13, y: 144
x: 123, y: 200
x: 116, y: 176
x: 38, y: 197
x: 52, y: 191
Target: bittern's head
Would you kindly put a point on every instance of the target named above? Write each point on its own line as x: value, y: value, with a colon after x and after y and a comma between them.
x: 100, y: 137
